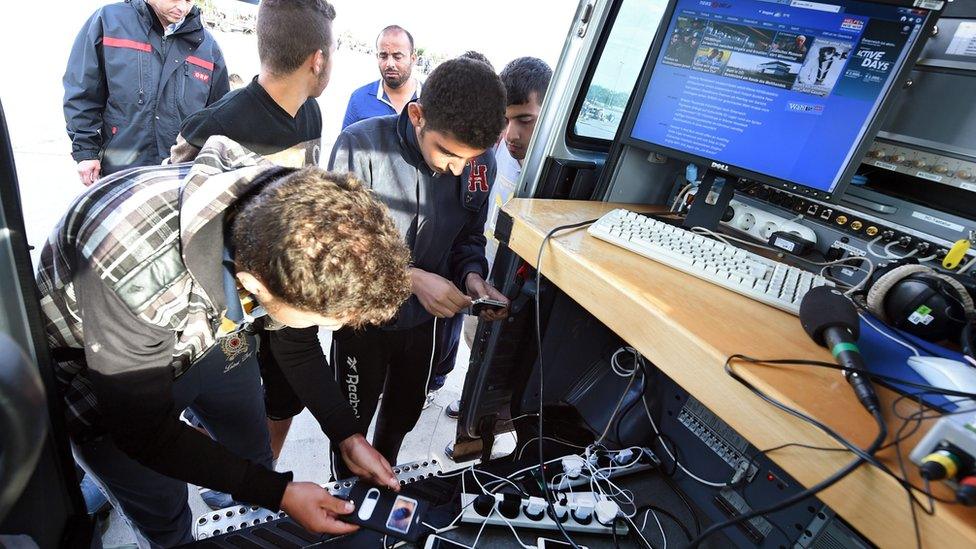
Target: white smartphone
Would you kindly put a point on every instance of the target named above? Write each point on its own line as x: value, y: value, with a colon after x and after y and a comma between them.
x: 435, y: 542
x: 546, y: 543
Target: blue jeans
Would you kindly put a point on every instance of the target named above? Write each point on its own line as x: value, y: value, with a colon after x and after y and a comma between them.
x: 230, y: 405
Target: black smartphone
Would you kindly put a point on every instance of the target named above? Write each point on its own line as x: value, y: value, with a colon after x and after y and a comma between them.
x: 387, y: 512
x: 485, y: 304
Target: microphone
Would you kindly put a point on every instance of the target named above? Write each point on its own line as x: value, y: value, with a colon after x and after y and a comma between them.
x: 831, y: 321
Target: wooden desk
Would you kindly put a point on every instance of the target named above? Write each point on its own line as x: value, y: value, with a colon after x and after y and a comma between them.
x: 688, y: 327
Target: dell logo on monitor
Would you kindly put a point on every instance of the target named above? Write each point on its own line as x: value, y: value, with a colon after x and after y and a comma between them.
x: 720, y: 166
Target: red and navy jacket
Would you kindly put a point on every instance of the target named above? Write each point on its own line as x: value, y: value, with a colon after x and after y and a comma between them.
x: 127, y: 88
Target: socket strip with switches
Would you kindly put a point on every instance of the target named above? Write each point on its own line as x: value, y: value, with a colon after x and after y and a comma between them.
x: 239, y: 517
x: 758, y: 223
x: 578, y: 512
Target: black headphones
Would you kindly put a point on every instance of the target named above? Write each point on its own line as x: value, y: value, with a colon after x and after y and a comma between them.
x: 926, y: 303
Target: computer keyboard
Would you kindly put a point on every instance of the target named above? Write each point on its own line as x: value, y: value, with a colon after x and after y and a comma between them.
x: 741, y: 271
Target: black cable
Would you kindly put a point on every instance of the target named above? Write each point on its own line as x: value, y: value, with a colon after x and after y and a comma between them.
x: 684, y: 499
x: 862, y: 456
x: 664, y: 439
x: 871, y: 375
x: 833, y: 434
x: 742, y: 487
x: 538, y: 338
x: 613, y: 530
x: 917, y: 417
x: 911, y: 497
x: 656, y: 509
x: 803, y: 494
x: 629, y: 407
x: 830, y: 432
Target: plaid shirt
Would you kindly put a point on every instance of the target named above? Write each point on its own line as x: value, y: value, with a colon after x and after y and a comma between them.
x: 153, y: 238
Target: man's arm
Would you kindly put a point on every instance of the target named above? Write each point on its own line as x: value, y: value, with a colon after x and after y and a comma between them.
x: 468, y: 250
x: 129, y: 366
x: 469, y: 268
x: 298, y: 353
x: 85, y: 94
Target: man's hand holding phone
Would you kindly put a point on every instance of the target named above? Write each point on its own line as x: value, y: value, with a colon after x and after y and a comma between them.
x: 315, y: 509
x: 478, y: 288
x: 437, y: 294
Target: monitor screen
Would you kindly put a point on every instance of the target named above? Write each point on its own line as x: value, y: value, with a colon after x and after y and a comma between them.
x: 779, y: 91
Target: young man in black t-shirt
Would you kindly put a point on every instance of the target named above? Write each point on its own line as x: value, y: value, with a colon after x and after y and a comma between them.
x: 277, y: 116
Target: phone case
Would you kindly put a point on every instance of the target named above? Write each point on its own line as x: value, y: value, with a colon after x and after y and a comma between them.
x: 381, y: 510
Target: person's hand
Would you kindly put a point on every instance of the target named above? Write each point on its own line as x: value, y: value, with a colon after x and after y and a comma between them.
x: 89, y: 171
x: 366, y: 463
x: 437, y: 294
x: 315, y: 509
x: 477, y: 287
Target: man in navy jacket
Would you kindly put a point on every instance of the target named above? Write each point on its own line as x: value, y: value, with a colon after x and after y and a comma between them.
x: 432, y: 165
x: 136, y: 70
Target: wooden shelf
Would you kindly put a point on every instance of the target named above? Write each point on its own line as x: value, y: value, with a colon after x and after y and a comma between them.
x: 688, y: 328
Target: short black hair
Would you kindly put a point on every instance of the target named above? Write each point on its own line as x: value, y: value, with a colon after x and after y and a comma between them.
x: 478, y: 56
x: 396, y: 28
x: 291, y: 30
x: 524, y: 76
x: 466, y: 99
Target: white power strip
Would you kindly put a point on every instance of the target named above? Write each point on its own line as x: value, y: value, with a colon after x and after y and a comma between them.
x: 543, y: 522
x: 761, y: 224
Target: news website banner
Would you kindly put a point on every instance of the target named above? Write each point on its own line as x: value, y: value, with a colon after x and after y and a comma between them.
x: 784, y: 89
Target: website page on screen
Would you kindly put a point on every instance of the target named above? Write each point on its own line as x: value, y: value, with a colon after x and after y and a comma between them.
x: 784, y: 89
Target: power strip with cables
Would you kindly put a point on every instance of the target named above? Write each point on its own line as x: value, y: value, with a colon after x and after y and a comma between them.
x: 579, y: 512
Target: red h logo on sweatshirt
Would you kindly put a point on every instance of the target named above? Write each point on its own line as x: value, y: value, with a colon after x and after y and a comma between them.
x: 477, y: 178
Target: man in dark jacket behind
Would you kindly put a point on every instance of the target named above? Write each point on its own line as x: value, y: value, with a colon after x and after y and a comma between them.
x: 136, y: 70
x: 433, y: 167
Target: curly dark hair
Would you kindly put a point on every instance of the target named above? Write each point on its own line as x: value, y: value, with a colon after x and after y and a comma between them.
x: 466, y: 99
x: 523, y: 76
x: 291, y: 30
x: 477, y: 56
x: 321, y: 242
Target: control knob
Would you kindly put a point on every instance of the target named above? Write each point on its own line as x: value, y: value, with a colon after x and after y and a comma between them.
x: 964, y: 174
x: 899, y: 158
x: 918, y: 163
x: 877, y: 153
x: 941, y: 169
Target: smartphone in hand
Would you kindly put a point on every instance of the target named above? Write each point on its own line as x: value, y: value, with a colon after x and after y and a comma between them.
x: 387, y: 512
x: 484, y: 304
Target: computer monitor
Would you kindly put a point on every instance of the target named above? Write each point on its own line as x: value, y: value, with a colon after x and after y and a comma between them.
x: 788, y: 93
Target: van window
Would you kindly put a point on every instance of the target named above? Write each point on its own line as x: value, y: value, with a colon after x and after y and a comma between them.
x: 620, y: 61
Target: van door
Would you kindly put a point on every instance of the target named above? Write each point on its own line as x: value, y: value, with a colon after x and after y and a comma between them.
x: 601, y: 59
x: 40, y: 502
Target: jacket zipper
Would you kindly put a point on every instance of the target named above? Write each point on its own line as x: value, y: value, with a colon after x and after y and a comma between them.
x: 142, y: 85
